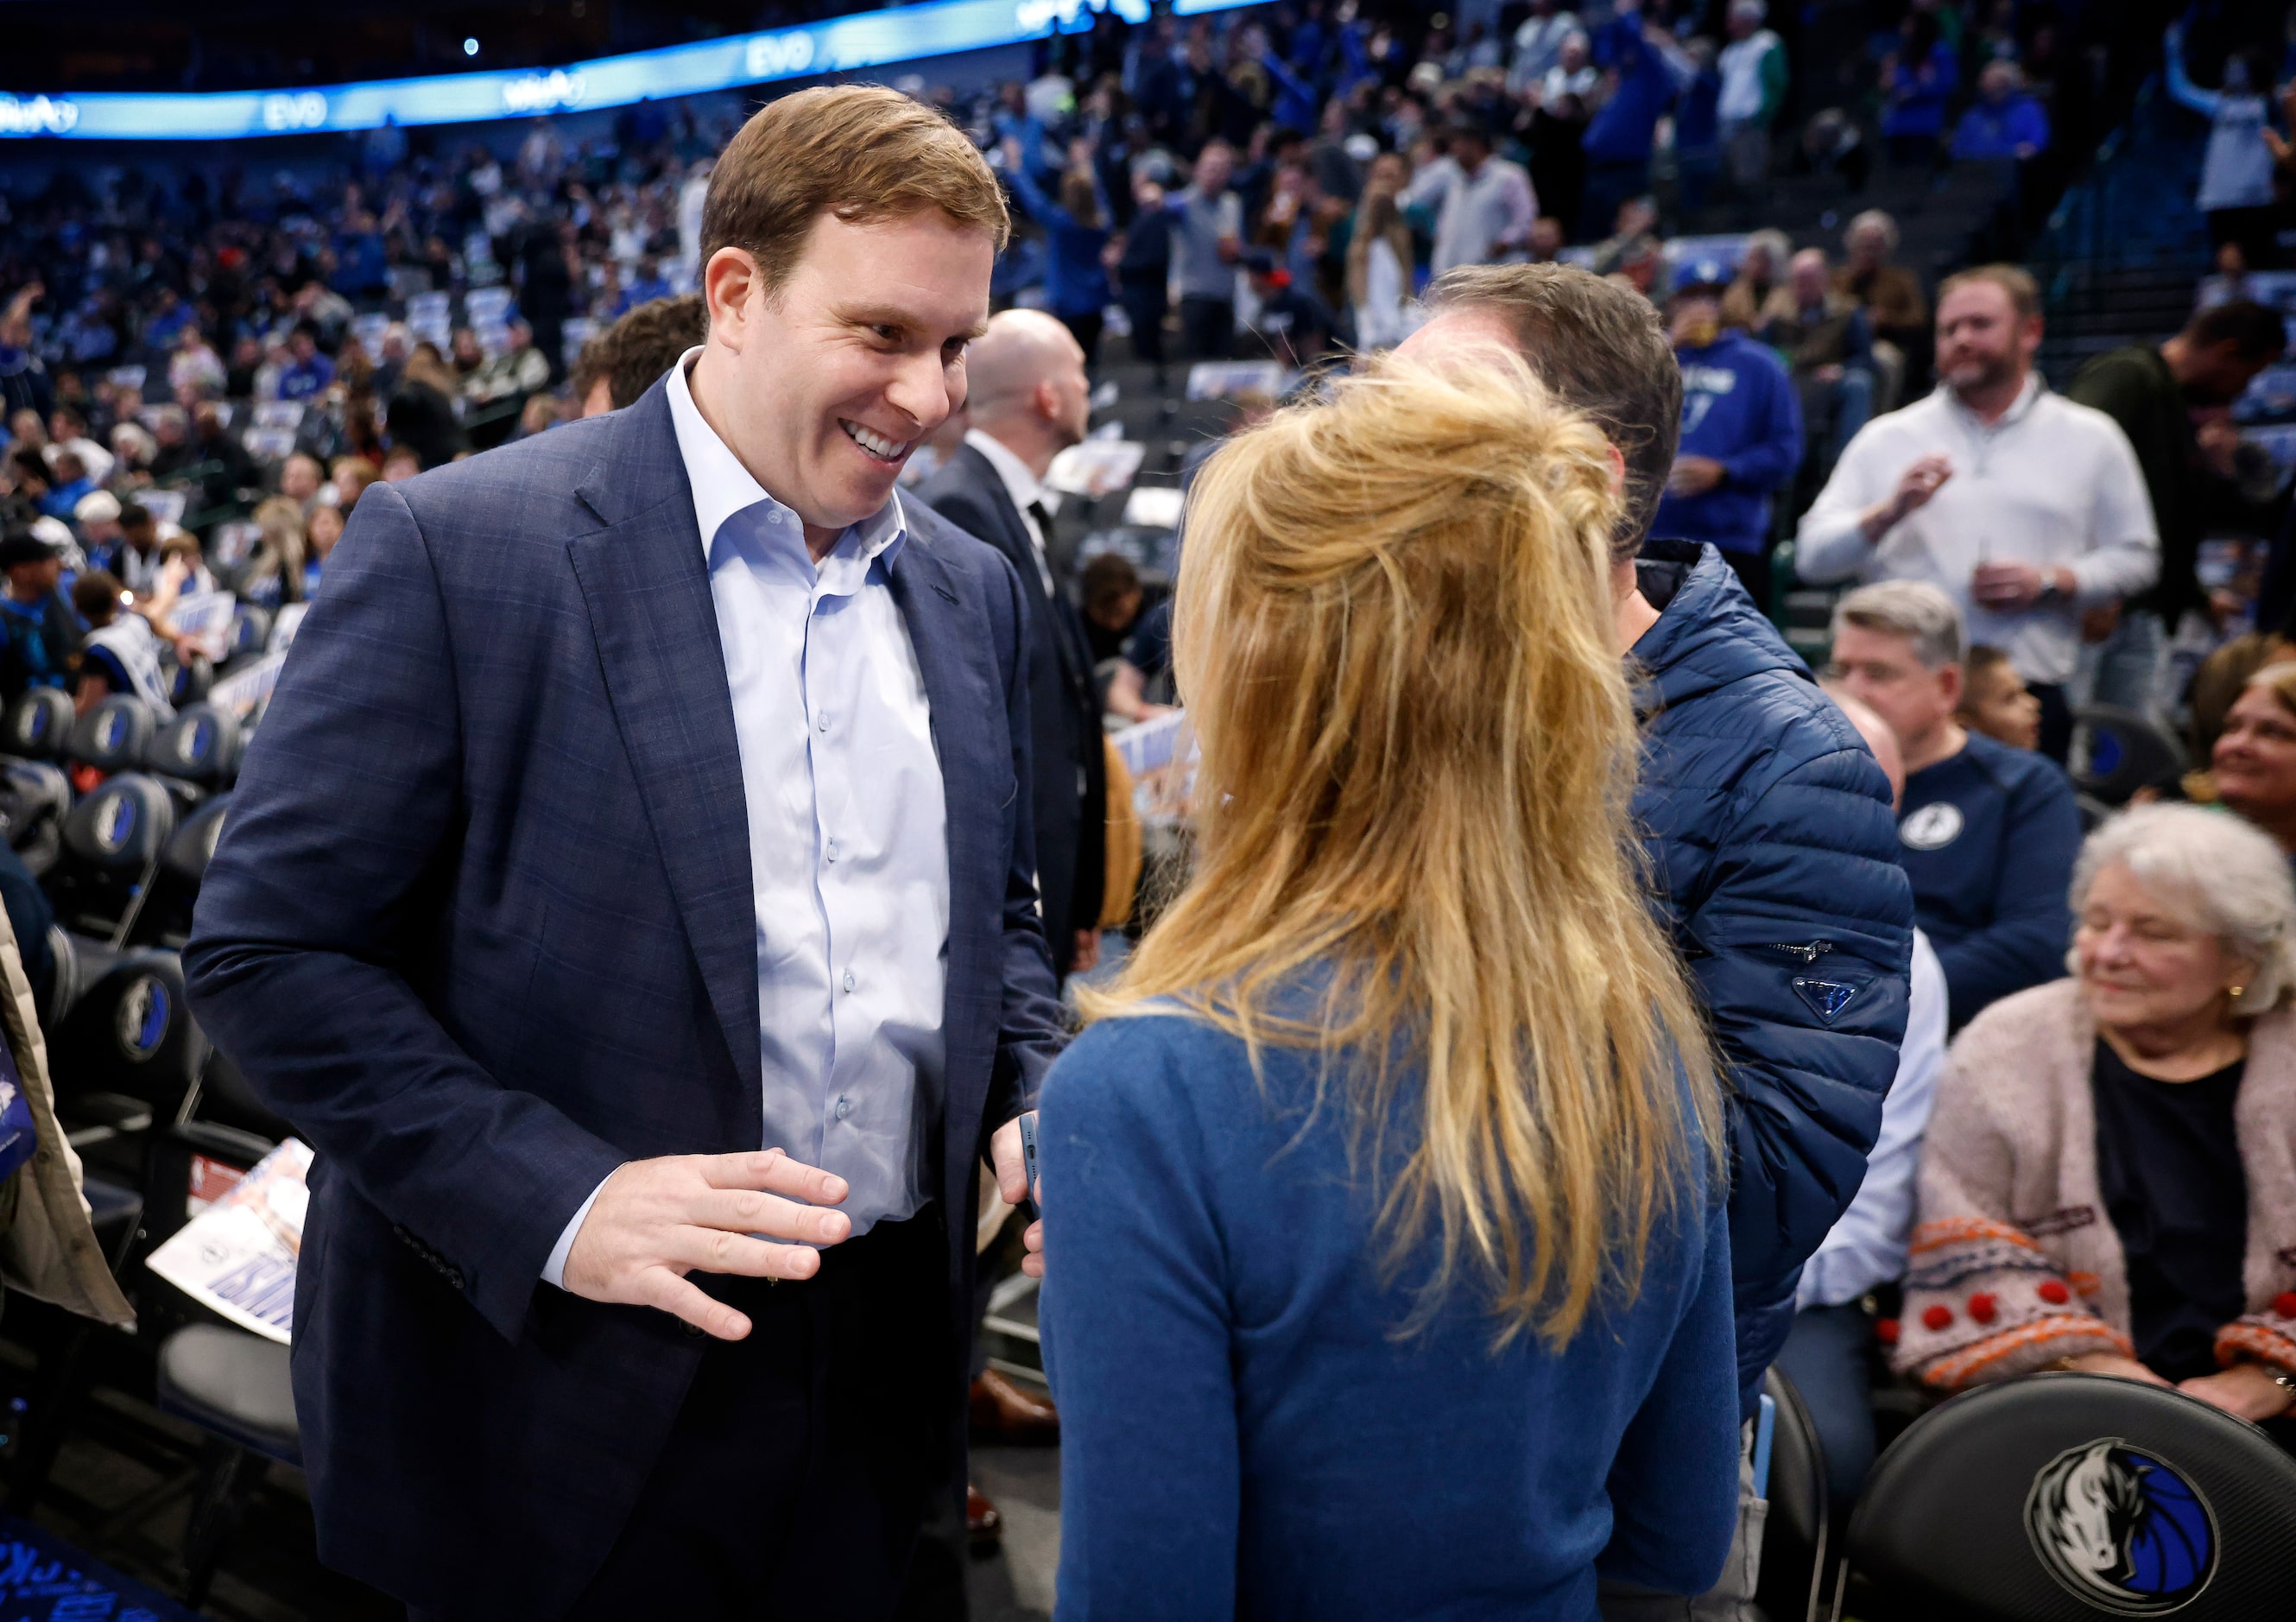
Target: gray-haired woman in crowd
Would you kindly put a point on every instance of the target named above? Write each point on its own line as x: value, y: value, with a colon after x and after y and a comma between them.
x: 2110, y: 1180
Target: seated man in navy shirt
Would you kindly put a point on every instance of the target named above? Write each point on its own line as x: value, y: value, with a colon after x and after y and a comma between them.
x: 1987, y: 833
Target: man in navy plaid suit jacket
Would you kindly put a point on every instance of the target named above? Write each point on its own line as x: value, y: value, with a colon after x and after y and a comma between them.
x: 629, y: 894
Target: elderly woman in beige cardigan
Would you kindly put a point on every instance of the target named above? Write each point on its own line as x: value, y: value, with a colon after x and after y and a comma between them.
x: 2110, y: 1179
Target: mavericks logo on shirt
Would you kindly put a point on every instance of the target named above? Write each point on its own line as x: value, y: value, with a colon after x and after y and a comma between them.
x: 1932, y: 827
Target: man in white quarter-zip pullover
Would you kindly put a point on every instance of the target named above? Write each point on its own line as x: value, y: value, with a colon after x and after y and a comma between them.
x: 2025, y: 508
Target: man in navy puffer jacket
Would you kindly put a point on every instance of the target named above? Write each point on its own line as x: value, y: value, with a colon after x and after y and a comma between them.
x: 1769, y: 832
x: 1768, y: 822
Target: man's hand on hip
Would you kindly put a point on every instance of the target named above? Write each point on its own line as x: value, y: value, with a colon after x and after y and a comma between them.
x: 656, y: 1220
x: 1012, y: 1185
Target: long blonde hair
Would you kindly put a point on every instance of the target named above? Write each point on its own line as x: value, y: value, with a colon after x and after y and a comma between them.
x: 281, y: 546
x: 1418, y: 748
x: 1378, y: 218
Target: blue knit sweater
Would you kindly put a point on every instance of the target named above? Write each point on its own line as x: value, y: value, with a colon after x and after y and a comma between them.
x: 1242, y: 1432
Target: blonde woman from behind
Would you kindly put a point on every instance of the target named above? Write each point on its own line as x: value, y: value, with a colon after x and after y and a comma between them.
x: 1386, y: 1272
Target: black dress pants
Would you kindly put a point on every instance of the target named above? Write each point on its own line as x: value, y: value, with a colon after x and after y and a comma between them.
x: 1085, y: 330
x: 808, y: 1456
x: 1145, y: 302
x: 2057, y: 739
x: 1208, y: 327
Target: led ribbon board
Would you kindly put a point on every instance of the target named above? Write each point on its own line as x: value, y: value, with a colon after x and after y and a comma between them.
x: 868, y: 39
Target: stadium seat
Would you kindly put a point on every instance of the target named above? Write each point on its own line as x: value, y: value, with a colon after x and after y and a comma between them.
x: 189, y: 680
x: 166, y: 919
x: 2078, y: 1498
x: 113, y: 734
x: 2115, y: 752
x: 129, y: 1036
x: 201, y: 746
x: 115, y: 1088
x: 235, y: 1385
x: 37, y: 796
x: 232, y: 1384
x: 60, y: 1342
x: 188, y: 853
x: 183, y: 1159
x: 65, y: 986
x: 1795, y: 1536
x: 38, y: 724
x: 113, y: 844
x: 227, y: 1100
x: 251, y: 636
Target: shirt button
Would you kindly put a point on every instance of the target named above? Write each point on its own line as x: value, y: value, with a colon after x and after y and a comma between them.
x: 821, y: 723
x: 832, y: 851
x: 844, y: 1108
x: 849, y: 979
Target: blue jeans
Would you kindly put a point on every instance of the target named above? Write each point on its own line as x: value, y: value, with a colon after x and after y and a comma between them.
x: 1694, y: 174
x: 1828, y: 1357
x: 2130, y: 662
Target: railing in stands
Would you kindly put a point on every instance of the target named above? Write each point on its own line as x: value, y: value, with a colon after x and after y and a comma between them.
x: 2134, y: 207
x: 2129, y: 221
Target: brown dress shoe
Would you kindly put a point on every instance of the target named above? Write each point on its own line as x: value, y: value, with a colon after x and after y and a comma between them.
x: 984, y: 1522
x: 1003, y: 1411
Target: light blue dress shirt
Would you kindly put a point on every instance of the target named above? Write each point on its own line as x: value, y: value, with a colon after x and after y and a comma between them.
x: 1866, y: 1248
x: 849, y: 847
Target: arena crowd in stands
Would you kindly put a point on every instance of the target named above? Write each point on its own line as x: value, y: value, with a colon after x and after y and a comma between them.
x: 1283, y: 179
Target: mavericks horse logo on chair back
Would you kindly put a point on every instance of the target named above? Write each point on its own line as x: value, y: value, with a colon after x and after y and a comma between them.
x: 2122, y: 1530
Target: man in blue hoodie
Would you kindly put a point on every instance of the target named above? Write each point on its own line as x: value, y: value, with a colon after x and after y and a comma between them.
x: 1741, y: 431
x: 1767, y: 823
x: 1639, y: 85
x: 2005, y: 121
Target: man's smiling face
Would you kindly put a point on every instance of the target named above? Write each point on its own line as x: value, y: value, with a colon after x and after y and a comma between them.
x: 823, y: 385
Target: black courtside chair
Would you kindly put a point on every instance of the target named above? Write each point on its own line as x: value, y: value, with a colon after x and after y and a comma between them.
x: 37, y: 797
x: 2115, y: 752
x: 251, y: 637
x: 112, y: 736
x: 236, y: 1386
x: 2076, y: 1498
x: 1793, y: 1583
x: 38, y: 725
x: 232, y: 1384
x: 113, y: 842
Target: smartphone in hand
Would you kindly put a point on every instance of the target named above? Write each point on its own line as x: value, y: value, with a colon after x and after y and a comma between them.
x: 1028, y: 1164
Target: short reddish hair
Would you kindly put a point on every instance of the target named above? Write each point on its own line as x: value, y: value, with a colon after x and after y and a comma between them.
x: 860, y: 151
x: 2015, y: 282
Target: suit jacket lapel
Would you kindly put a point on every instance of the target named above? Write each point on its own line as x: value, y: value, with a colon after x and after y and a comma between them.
x: 1015, y: 541
x: 944, y: 628
x: 646, y: 582
x: 1075, y: 664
